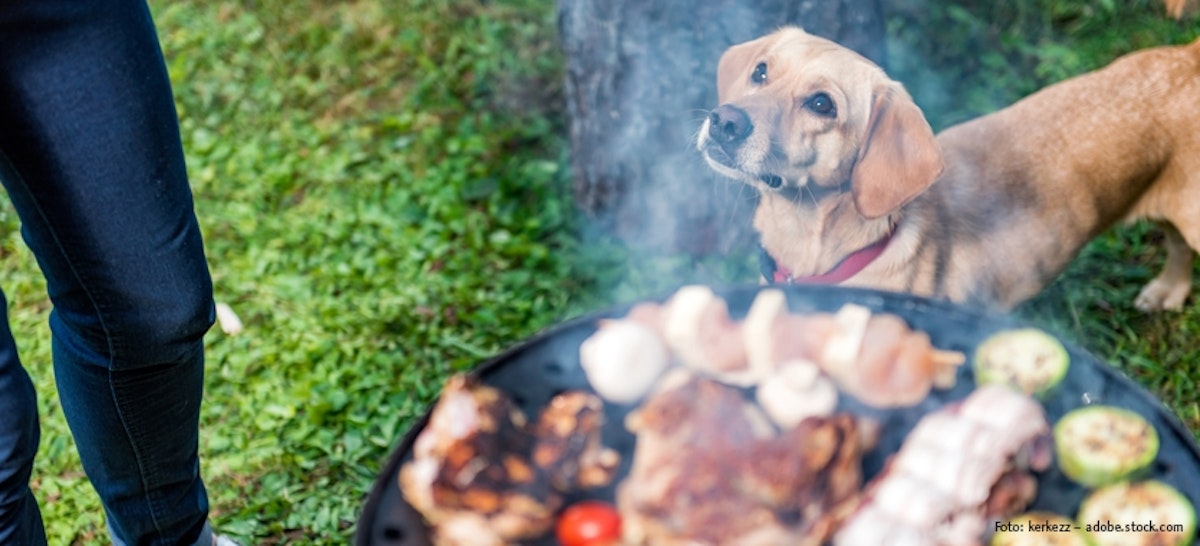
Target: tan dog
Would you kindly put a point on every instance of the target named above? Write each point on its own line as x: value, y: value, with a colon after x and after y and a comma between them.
x: 846, y: 166
x: 1178, y: 9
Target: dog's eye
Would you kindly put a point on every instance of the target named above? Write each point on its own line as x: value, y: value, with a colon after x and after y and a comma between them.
x: 759, y: 76
x: 822, y: 105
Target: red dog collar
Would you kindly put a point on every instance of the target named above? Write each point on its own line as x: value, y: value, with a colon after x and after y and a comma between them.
x: 848, y: 267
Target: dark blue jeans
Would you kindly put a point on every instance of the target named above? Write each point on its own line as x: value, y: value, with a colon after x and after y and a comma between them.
x: 90, y: 156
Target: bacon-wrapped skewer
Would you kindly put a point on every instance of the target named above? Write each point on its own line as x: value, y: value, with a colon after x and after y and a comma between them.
x: 960, y: 467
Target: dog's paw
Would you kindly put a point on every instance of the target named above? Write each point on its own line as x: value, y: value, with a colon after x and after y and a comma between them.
x: 1163, y: 295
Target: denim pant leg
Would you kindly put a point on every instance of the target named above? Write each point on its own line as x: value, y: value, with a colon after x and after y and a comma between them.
x: 91, y: 157
x: 20, y: 522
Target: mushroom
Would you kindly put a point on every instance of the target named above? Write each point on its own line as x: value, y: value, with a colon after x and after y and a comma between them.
x: 758, y: 331
x: 841, y: 350
x: 623, y: 360
x: 697, y: 327
x: 797, y: 391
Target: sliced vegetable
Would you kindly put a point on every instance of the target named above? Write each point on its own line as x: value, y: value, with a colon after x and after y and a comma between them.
x: 589, y: 523
x: 1138, y: 514
x: 1098, y: 445
x: 1027, y: 359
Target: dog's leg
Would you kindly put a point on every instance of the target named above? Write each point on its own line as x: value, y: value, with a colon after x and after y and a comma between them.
x: 1170, y: 288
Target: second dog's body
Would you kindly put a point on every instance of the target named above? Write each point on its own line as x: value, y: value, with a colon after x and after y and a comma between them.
x: 1017, y: 194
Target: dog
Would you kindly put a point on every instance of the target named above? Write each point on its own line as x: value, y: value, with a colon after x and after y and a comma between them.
x: 855, y: 189
x: 1178, y: 9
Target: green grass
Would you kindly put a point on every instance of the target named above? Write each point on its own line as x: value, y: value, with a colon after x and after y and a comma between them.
x: 985, y: 55
x: 384, y: 195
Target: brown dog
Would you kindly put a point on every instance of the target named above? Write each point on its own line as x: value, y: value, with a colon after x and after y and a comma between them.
x: 846, y: 166
x: 1178, y: 9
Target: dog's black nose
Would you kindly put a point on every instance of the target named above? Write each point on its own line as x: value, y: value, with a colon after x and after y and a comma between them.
x: 729, y: 124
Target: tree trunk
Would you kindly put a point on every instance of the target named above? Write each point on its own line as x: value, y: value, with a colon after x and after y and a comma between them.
x: 641, y: 77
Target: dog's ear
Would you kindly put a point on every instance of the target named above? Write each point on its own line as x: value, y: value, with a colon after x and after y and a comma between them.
x: 899, y: 158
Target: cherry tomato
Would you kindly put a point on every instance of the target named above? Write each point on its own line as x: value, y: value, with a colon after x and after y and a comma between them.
x: 589, y: 523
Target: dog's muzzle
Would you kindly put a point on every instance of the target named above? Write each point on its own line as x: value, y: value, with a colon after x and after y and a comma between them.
x: 728, y: 128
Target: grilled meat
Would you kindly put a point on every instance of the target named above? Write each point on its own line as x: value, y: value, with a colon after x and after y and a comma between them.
x: 709, y: 469
x: 481, y: 474
x: 960, y: 467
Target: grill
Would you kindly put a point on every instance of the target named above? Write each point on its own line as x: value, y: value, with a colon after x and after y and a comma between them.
x: 534, y: 371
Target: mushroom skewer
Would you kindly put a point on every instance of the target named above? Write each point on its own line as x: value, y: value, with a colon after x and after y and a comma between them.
x: 875, y: 358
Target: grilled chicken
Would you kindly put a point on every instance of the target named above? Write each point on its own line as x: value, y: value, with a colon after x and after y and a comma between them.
x: 482, y: 475
x: 709, y: 469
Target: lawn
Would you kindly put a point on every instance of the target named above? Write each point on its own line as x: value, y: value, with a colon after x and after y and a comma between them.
x: 384, y: 195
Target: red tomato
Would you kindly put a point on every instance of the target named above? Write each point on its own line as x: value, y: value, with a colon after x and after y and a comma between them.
x: 589, y: 523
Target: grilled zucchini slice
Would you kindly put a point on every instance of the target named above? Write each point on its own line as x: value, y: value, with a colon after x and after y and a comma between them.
x: 1026, y: 359
x: 1138, y: 514
x: 1099, y: 445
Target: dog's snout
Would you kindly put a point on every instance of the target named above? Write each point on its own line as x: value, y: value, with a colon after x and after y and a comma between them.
x: 729, y: 124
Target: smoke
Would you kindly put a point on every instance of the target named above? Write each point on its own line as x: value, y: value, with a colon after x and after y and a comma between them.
x: 641, y: 78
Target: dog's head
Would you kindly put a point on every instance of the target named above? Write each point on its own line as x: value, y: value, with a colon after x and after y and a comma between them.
x: 807, y: 118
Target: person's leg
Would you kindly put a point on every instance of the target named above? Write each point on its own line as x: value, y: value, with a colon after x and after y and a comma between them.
x: 20, y: 522
x: 88, y: 125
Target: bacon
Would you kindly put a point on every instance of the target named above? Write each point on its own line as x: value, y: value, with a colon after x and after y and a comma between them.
x: 957, y: 469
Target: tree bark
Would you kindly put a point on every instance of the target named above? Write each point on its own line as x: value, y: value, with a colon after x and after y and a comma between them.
x: 641, y: 77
